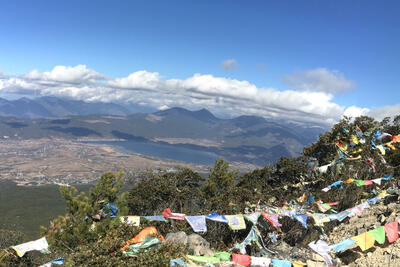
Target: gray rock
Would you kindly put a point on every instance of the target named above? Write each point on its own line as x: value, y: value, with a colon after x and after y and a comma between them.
x: 199, y: 245
x: 176, y: 238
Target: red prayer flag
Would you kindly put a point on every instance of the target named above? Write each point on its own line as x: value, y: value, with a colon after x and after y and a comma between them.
x: 368, y: 182
x: 392, y: 232
x: 244, y: 260
x: 333, y: 203
x: 175, y: 216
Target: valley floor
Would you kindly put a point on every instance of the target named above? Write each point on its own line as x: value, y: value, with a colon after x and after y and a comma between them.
x: 62, y: 161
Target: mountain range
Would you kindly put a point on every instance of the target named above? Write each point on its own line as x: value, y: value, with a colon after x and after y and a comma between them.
x: 248, y: 139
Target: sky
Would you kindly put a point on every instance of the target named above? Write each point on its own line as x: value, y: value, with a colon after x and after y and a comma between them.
x: 309, y: 61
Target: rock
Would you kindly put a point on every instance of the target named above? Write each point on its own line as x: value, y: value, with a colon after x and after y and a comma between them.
x: 311, y: 263
x: 177, y: 238
x: 199, y: 245
x: 317, y: 257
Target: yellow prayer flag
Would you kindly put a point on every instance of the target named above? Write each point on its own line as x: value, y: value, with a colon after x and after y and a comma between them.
x: 349, y: 181
x: 364, y: 241
x: 390, y: 144
x: 298, y: 264
x: 381, y: 149
x: 354, y: 139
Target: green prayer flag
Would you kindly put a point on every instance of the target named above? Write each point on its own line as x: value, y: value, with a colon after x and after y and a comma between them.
x: 149, y: 242
x: 203, y: 259
x: 223, y: 256
x: 359, y: 182
x: 379, y: 234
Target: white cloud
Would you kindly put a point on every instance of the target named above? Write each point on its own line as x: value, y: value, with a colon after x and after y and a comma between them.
x: 386, y: 111
x: 220, y: 95
x: 66, y: 74
x: 163, y: 107
x: 229, y: 64
x: 138, y: 80
x: 354, y: 112
x: 3, y: 75
x: 319, y: 80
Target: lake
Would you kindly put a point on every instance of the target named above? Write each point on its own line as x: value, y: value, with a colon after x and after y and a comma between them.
x: 163, y: 150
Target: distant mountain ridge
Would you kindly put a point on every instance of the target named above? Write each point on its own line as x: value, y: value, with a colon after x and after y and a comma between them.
x: 49, y: 106
x: 248, y: 139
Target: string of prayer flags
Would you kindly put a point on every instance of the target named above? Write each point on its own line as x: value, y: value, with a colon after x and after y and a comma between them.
x: 198, y: 223
x: 174, y: 216
x: 338, y: 184
x: 216, y: 217
x: 236, y: 222
x: 379, y: 234
x: 392, y: 231
x: 364, y: 241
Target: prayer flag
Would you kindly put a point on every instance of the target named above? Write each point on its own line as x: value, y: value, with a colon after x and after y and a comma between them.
x: 39, y: 244
x: 198, y: 223
x: 216, y: 217
x: 252, y: 217
x: 379, y: 234
x: 392, y: 232
x: 364, y: 241
x: 236, y: 222
x: 343, y: 245
x: 281, y: 263
x: 244, y: 260
x: 175, y: 216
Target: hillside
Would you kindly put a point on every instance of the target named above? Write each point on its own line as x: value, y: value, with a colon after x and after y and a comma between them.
x: 248, y: 139
x: 337, y: 205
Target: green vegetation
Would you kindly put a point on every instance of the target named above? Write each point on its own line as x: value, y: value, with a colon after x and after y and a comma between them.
x: 87, y: 238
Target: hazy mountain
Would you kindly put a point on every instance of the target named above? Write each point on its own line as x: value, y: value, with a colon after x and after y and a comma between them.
x: 246, y: 138
x: 56, y: 107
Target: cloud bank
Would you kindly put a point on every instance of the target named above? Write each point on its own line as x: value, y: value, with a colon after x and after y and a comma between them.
x: 221, y: 95
x: 320, y: 80
x: 3, y: 75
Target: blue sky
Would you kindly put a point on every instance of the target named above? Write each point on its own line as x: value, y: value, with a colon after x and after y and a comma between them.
x: 347, y: 50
